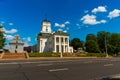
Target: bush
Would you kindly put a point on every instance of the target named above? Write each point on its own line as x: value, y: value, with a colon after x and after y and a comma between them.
x: 44, y: 54
x: 96, y: 55
x: 90, y: 55
x: 67, y: 54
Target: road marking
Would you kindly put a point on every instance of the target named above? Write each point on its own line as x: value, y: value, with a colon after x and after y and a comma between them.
x: 115, y: 60
x: 44, y: 64
x: 88, y: 62
x: 8, y: 63
x: 62, y: 69
x: 108, y: 65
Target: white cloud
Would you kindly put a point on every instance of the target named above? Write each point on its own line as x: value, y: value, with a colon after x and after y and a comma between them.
x: 9, y: 37
x: 11, y: 24
x: 62, y: 25
x: 99, y: 9
x: 114, y: 13
x: 103, y: 21
x: 26, y: 41
x: 67, y: 22
x: 29, y: 39
x: 26, y: 44
x: 65, y: 31
x: 10, y: 31
x: 35, y: 39
x: 60, y: 30
x: 91, y: 20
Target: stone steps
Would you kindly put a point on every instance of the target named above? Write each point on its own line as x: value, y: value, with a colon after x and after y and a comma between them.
x: 14, y: 56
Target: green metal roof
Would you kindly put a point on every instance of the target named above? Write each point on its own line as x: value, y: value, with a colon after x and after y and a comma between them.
x: 43, y: 35
x: 47, y: 35
x: 61, y: 33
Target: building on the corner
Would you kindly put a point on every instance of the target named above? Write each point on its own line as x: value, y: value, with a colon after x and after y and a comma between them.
x: 49, y: 41
x: 16, y: 45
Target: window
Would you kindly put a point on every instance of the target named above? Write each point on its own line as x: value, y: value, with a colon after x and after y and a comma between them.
x: 46, y: 28
x: 16, y: 46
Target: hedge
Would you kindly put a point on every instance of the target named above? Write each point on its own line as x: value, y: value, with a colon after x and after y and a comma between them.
x: 44, y: 54
x: 67, y: 55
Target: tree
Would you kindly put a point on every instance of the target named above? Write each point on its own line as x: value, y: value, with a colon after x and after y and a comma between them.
x: 91, y: 37
x: 76, y: 43
x: 103, y: 40
x: 91, y: 44
x: 115, y: 42
x: 2, y: 38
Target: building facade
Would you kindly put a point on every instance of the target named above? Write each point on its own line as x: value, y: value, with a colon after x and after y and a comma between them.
x: 49, y: 41
x: 16, y: 45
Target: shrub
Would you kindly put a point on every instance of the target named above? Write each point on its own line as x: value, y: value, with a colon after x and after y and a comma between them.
x: 96, y: 54
x: 44, y: 54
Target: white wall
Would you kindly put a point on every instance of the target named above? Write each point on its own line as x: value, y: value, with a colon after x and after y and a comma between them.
x: 12, y: 48
x: 46, y: 25
x: 42, y: 43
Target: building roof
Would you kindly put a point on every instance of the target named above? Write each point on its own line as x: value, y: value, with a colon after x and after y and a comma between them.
x: 61, y: 33
x: 17, y: 40
x: 46, y: 21
x: 43, y: 35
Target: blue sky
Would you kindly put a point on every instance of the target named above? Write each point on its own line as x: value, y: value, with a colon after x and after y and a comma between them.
x: 76, y: 17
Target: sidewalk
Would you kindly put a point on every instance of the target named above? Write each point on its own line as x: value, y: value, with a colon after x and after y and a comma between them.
x: 50, y: 58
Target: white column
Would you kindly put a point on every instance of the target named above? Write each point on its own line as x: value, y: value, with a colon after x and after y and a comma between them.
x: 59, y: 44
x: 68, y: 44
x: 39, y: 46
x: 55, y: 44
x: 64, y: 45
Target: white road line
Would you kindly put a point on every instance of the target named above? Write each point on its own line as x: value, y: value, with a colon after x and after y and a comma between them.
x: 115, y: 60
x: 8, y: 63
x: 44, y: 64
x: 88, y: 62
x: 62, y: 69
x: 108, y: 65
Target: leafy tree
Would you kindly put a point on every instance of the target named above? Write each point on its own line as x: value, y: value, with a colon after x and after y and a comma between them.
x: 91, y: 37
x: 103, y: 40
x: 2, y: 39
x: 76, y: 43
x: 91, y: 44
x: 111, y: 49
x: 115, y: 42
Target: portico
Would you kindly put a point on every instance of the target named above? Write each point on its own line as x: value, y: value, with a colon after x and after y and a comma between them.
x: 61, y: 43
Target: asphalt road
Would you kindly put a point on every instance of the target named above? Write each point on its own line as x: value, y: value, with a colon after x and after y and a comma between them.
x: 59, y: 69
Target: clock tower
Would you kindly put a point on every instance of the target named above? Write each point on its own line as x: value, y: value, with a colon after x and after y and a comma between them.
x: 46, y: 27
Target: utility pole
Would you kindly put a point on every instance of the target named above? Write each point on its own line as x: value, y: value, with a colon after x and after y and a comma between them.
x: 106, y: 46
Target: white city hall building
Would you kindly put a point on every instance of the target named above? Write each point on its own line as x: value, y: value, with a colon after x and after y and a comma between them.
x: 49, y: 41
